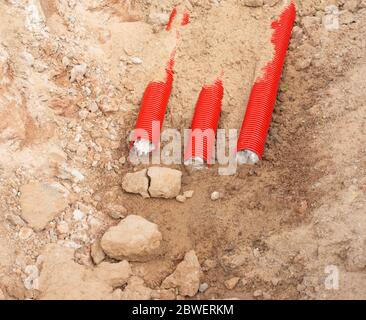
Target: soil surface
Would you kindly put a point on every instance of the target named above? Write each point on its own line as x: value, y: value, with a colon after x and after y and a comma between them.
x: 72, y: 75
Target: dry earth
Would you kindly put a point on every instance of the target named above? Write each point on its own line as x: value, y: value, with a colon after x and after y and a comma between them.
x: 72, y: 74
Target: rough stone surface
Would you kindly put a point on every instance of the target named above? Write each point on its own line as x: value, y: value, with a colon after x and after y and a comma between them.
x: 63, y: 279
x: 186, y: 277
x: 114, y: 274
x: 97, y: 252
x: 134, y: 239
x: 136, y: 182
x: 41, y: 202
x: 136, y: 290
x: 164, y: 182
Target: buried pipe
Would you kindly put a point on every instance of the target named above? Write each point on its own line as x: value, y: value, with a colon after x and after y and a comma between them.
x: 201, y: 142
x: 146, y: 136
x: 258, y: 116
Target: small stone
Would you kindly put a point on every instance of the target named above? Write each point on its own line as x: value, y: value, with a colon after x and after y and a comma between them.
x: 231, y: 283
x: 181, y: 198
x: 164, y: 182
x: 136, y: 60
x: 134, y: 238
x: 78, y: 72
x: 186, y: 277
x: 188, y: 194
x: 203, y: 287
x: 116, y: 211
x: 25, y: 233
x: 63, y: 227
x: 41, y: 202
x: 15, y: 220
x: 97, y: 252
x: 78, y: 215
x: 257, y: 293
x: 136, y: 182
x: 31, y: 282
x: 215, y: 196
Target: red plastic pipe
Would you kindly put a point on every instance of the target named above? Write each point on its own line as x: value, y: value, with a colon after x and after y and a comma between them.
x: 153, y: 107
x: 154, y: 104
x: 204, y: 124
x: 262, y: 99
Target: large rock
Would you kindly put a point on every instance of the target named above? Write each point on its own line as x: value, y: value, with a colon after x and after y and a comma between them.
x: 134, y: 239
x: 62, y: 278
x: 164, y: 182
x: 41, y: 202
x: 136, y: 182
x: 186, y: 277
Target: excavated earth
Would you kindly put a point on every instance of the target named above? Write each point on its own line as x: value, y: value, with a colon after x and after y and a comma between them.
x: 72, y: 75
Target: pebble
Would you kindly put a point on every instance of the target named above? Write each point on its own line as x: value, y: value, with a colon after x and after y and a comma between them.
x: 181, y: 198
x: 231, y: 283
x: 215, y: 196
x: 203, y: 287
x: 78, y: 72
x: 188, y: 194
x: 136, y: 60
x: 63, y: 227
x: 25, y: 233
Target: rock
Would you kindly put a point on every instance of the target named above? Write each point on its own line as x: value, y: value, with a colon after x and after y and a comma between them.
x: 63, y: 227
x: 15, y: 220
x: 203, y: 287
x: 215, y: 196
x: 134, y: 239
x: 97, y: 252
x: 181, y: 198
x: 115, y: 274
x: 137, y: 182
x: 231, y: 283
x: 258, y: 293
x: 136, y: 290
x: 31, y: 282
x: 164, y: 182
x: 25, y: 233
x: 186, y: 277
x: 116, y: 211
x: 41, y: 202
x: 238, y: 259
x: 188, y: 194
x: 136, y: 60
x: 63, y: 279
x: 78, y: 72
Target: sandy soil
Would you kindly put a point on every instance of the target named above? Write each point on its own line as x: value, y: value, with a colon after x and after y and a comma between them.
x: 287, y: 228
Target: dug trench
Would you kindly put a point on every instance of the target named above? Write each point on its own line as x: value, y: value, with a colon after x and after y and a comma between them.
x: 275, y: 227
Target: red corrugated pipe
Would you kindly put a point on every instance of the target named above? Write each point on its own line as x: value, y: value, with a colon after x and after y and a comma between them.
x: 146, y: 136
x: 206, y: 117
x: 253, y: 134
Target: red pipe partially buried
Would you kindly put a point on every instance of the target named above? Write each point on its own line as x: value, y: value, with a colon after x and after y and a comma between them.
x: 253, y: 134
x: 205, y: 121
x: 146, y: 136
